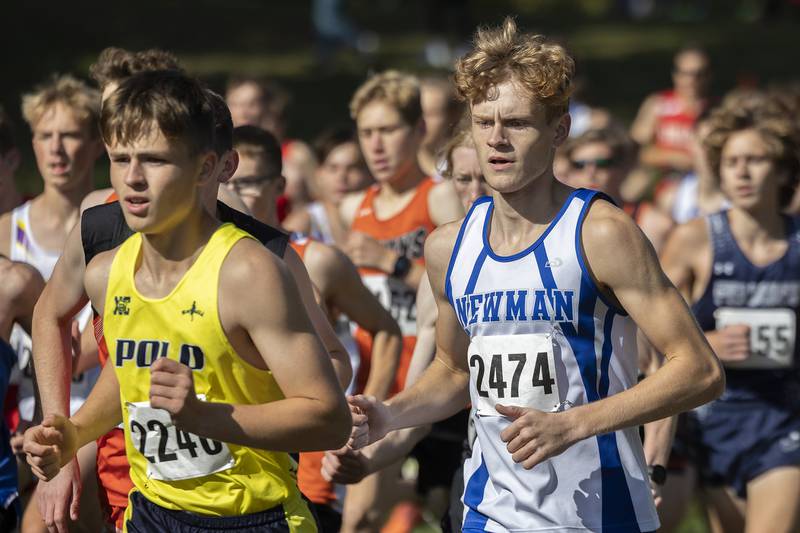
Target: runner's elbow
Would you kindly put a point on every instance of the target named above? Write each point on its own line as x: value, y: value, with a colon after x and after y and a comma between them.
x: 712, y: 379
x: 337, y: 424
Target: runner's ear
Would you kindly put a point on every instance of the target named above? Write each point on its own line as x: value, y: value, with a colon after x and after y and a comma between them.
x: 208, y: 167
x: 562, y: 129
x: 231, y: 163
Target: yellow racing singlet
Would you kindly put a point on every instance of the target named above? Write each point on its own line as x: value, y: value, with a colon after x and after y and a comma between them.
x: 171, y: 468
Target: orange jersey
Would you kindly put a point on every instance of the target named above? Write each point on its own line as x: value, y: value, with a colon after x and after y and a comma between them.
x: 405, y: 232
x: 309, y: 477
x: 300, y: 245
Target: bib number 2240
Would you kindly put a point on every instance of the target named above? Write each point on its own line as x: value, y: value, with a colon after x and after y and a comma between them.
x: 173, y: 454
x: 512, y: 369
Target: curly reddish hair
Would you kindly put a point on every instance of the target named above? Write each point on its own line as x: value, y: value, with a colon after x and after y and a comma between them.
x: 543, y: 68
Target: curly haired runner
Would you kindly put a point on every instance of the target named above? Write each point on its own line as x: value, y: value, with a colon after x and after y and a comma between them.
x: 740, y: 268
x: 539, y: 291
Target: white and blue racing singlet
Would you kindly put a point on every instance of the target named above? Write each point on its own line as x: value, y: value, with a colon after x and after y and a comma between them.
x: 25, y: 249
x: 542, y: 336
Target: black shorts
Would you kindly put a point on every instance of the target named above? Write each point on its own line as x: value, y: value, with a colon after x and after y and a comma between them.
x: 440, y: 453
x: 329, y: 520
x: 9, y: 516
x: 147, y: 517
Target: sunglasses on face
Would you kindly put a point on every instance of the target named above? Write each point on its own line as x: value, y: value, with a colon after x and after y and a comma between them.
x: 580, y: 164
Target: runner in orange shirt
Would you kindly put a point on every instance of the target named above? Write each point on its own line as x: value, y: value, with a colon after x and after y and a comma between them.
x: 389, y: 223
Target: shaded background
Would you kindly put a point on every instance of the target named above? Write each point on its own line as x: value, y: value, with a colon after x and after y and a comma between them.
x: 623, y: 48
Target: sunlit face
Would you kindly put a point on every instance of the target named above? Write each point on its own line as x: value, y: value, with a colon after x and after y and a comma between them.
x: 342, y: 172
x: 467, y: 175
x: 388, y: 143
x: 749, y: 176
x: 256, y: 185
x: 64, y: 148
x: 158, y: 180
x: 690, y: 74
x: 593, y: 166
x: 514, y: 141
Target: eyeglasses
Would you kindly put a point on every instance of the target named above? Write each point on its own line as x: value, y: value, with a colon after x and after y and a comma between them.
x: 248, y: 183
x: 580, y: 164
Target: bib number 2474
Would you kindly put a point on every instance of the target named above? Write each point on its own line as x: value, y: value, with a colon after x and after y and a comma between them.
x: 512, y: 369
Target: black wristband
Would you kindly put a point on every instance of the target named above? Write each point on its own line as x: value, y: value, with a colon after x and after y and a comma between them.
x: 401, y: 267
x: 658, y: 474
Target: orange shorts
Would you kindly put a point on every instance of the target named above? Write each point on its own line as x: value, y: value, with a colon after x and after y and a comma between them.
x: 113, y: 476
x: 310, y: 480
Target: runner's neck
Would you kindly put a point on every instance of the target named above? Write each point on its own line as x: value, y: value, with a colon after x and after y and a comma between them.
x: 758, y: 226
x: 172, y: 252
x: 519, y: 218
x: 408, y: 177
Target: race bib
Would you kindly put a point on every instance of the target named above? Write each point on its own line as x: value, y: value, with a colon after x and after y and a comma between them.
x: 397, y: 298
x: 173, y: 454
x: 772, y: 335
x: 512, y: 370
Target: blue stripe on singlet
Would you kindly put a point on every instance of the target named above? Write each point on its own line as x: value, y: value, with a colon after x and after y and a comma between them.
x: 473, y: 496
x: 618, y: 512
x: 448, y: 285
x: 476, y: 271
x: 605, y: 355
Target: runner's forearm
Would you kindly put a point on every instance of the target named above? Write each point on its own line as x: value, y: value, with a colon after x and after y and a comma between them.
x: 395, y: 446
x: 291, y: 425
x: 414, y: 275
x: 52, y: 360
x: 658, y: 437
x: 441, y: 392
x: 102, y: 410
x: 386, y: 351
x: 681, y: 384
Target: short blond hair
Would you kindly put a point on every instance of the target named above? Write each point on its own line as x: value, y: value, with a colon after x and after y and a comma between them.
x: 541, y: 67
x: 398, y: 89
x: 67, y: 90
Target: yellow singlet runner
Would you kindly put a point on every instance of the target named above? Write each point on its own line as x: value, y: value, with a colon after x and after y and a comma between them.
x: 171, y: 468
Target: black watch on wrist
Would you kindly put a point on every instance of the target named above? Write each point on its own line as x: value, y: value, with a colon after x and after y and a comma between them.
x: 401, y: 267
x: 658, y: 474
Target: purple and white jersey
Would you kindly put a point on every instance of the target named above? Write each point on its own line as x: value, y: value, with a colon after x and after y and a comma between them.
x: 542, y: 336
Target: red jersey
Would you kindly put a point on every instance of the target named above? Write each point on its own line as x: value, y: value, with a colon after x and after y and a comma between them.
x: 674, y: 122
